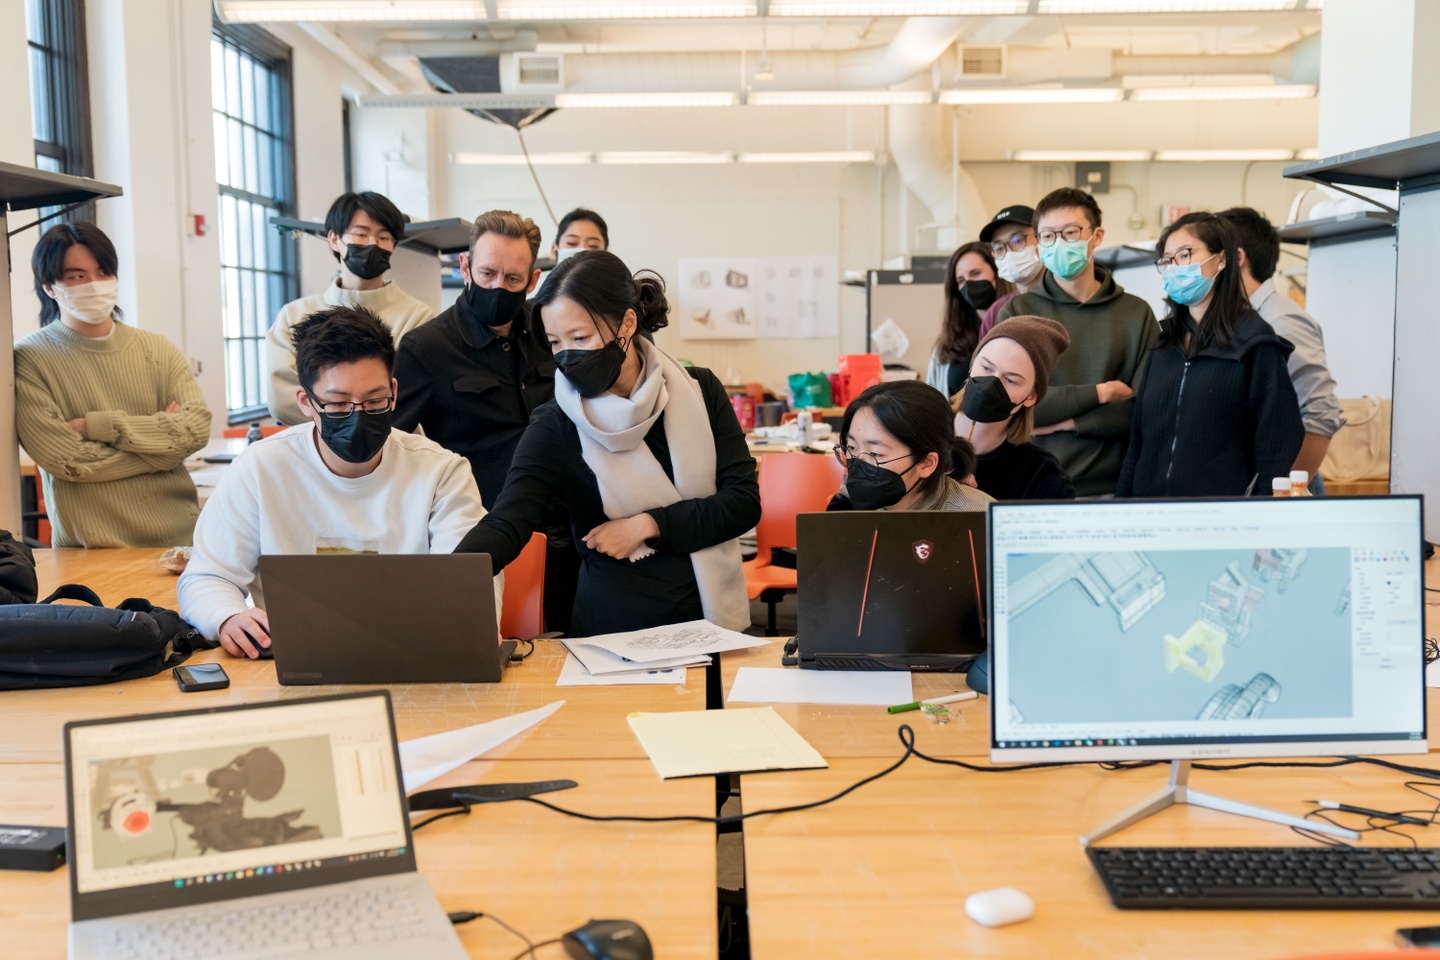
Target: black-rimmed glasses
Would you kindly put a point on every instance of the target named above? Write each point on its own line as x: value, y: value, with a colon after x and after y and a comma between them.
x: 844, y: 457
x: 340, y: 409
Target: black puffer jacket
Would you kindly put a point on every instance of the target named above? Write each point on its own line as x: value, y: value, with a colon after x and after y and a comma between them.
x: 1219, y: 424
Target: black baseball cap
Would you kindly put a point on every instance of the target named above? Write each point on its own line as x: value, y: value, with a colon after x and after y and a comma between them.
x: 1025, y: 216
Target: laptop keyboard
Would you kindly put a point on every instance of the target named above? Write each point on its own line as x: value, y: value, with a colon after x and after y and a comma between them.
x: 288, y: 927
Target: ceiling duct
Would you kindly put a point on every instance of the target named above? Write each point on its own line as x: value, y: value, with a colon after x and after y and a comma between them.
x: 477, y: 75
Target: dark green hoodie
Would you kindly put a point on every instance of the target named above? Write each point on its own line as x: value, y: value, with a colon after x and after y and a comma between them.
x: 1110, y: 338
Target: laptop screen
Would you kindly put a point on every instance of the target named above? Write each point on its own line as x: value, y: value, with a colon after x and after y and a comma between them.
x: 179, y: 808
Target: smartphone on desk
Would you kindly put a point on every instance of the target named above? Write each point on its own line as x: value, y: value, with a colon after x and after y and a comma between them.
x: 1418, y: 937
x: 201, y: 676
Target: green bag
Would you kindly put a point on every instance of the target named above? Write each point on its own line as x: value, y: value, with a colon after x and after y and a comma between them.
x: 809, y: 390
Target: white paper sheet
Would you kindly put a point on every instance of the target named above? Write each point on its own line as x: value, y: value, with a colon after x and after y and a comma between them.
x: 880, y: 688
x: 1432, y: 674
x: 695, y: 743
x: 599, y: 661
x: 674, y: 640
x: 574, y: 674
x: 425, y: 758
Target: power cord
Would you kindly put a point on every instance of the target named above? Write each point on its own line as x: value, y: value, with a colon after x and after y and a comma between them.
x: 522, y: 657
x: 465, y: 916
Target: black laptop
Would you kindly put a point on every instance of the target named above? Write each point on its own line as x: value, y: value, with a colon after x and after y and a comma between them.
x: 392, y: 618
x: 890, y: 591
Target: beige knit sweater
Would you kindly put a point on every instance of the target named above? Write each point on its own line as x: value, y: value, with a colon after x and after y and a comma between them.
x: 126, y: 485
x: 397, y: 309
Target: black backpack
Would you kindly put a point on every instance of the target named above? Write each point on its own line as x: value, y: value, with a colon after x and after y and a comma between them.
x: 17, y: 571
x: 44, y: 645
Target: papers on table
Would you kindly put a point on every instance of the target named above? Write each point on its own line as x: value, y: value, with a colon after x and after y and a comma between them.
x: 574, y: 674
x: 701, y: 742
x: 780, y: 685
x: 425, y: 758
x: 671, y: 641
x: 1432, y: 674
x: 599, y: 661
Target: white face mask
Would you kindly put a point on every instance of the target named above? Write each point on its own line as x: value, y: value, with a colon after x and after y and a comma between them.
x: 562, y: 255
x: 91, y: 303
x: 1020, y: 266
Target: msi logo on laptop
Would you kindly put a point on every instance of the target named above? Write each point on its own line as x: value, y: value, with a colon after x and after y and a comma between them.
x: 924, y: 550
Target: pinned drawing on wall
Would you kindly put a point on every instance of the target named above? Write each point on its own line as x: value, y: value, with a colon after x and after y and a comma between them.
x: 742, y: 298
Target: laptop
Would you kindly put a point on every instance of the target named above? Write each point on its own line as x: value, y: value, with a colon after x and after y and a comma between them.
x: 240, y: 830
x: 391, y: 618
x: 881, y: 590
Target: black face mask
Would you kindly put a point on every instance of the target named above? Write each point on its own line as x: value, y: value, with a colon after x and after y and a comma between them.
x: 978, y: 293
x: 493, y: 306
x: 871, y: 487
x: 592, y: 372
x: 366, y: 261
x: 986, y: 401
x: 358, y: 437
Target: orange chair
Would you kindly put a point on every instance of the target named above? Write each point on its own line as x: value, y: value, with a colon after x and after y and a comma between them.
x: 522, y: 611
x: 790, y: 484
x: 231, y: 433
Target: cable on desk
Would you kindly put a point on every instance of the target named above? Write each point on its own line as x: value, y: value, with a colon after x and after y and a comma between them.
x: 531, y: 950
x: 465, y: 916
x: 522, y: 657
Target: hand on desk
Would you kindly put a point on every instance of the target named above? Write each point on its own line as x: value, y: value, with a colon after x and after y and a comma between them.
x: 242, y: 633
x: 621, y: 538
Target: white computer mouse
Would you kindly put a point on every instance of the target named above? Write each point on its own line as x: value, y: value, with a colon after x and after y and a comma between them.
x: 996, y: 908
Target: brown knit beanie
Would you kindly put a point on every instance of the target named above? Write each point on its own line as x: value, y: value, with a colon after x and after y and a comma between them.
x: 1041, y: 337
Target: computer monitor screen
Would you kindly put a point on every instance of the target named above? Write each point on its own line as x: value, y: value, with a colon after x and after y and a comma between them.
x: 1176, y: 630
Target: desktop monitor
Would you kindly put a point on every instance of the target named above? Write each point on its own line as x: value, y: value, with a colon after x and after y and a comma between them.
x: 1180, y: 630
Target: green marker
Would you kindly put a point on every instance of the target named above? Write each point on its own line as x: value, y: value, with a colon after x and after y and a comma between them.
x: 954, y: 698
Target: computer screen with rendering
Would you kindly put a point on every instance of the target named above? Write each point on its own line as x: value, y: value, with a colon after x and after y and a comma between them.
x: 1176, y: 630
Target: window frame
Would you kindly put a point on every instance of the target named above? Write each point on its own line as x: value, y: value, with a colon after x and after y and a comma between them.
x: 66, y: 95
x: 274, y: 56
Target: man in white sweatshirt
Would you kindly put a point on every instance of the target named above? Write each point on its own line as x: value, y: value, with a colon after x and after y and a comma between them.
x: 344, y: 481
x: 363, y: 229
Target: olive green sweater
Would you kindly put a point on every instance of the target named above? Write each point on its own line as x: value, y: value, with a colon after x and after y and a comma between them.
x: 124, y: 483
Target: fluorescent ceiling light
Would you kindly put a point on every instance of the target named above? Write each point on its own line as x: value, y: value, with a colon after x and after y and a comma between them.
x: 719, y: 98
x: 1263, y: 153
x: 518, y: 159
x: 662, y: 157
x: 895, y: 8
x: 1080, y: 156
x: 1061, y: 7
x: 258, y: 11
x: 620, y: 9
x: 820, y: 156
x: 843, y: 98
x: 1017, y: 95
x: 1274, y: 91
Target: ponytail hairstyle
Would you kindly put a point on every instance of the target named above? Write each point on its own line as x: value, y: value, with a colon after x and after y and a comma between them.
x: 917, y: 416
x: 602, y: 285
x: 47, y: 263
x: 960, y: 327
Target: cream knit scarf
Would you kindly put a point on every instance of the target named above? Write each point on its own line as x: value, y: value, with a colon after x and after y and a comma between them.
x: 612, y: 440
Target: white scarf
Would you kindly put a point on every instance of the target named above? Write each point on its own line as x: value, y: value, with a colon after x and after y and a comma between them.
x: 612, y: 441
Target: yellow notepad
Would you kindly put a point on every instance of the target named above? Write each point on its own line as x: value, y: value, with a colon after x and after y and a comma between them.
x: 701, y: 742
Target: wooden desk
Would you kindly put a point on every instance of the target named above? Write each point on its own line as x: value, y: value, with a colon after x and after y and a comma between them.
x: 885, y: 872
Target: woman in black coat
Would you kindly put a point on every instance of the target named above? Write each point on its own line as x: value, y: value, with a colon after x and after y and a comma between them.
x: 646, y: 455
x: 1216, y: 414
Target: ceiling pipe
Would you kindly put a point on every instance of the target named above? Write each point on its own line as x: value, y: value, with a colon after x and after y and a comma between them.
x: 916, y: 45
x: 371, y: 73
x: 524, y: 41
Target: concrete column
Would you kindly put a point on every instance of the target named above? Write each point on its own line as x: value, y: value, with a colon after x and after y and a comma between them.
x: 17, y: 145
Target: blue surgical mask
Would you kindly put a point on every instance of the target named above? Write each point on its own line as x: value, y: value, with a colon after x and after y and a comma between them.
x: 1186, y: 285
x: 1066, y: 258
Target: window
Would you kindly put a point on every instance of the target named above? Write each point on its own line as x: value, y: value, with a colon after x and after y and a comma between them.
x: 254, y: 168
x: 59, y: 90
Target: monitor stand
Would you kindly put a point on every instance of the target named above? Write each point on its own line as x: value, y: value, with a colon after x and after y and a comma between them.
x: 1179, y: 792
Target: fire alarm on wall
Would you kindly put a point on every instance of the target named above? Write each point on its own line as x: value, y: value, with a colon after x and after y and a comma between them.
x: 198, y: 224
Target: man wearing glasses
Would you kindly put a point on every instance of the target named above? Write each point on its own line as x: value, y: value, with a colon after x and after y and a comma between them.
x: 1011, y: 235
x: 363, y: 229
x: 343, y: 482
x: 1084, y: 420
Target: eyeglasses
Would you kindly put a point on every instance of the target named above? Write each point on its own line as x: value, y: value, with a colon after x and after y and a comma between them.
x: 1070, y: 234
x: 361, y: 238
x: 340, y: 409
x: 844, y: 456
x: 999, y: 248
x: 1181, y: 258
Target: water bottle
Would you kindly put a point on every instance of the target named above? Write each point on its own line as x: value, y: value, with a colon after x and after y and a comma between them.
x: 254, y: 433
x: 805, y: 420
x: 1280, y: 487
x: 1299, y: 483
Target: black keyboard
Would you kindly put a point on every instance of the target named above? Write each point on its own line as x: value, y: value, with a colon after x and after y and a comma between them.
x: 1270, y: 878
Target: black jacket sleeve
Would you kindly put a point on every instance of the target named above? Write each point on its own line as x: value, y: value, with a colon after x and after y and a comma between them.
x: 1126, y: 486
x: 533, y: 485
x: 691, y: 525
x: 1276, y: 428
x: 413, y: 386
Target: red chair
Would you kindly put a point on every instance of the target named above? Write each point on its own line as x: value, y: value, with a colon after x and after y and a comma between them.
x: 790, y: 484
x: 522, y: 611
